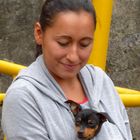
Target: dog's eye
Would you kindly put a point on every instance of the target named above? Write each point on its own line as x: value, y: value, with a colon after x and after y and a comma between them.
x: 91, y: 123
x: 78, y: 121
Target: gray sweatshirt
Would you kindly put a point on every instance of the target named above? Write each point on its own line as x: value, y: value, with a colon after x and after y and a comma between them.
x: 35, y: 108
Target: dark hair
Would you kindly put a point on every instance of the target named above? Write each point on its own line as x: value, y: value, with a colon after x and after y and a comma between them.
x: 52, y: 7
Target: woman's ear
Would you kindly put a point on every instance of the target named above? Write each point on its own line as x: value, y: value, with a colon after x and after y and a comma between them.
x: 38, y: 33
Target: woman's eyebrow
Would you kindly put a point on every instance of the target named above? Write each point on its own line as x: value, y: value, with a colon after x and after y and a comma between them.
x: 63, y: 36
x: 87, y: 38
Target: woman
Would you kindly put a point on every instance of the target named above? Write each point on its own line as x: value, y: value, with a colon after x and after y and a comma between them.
x: 35, y: 106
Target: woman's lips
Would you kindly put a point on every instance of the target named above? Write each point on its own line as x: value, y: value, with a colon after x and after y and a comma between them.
x: 70, y: 67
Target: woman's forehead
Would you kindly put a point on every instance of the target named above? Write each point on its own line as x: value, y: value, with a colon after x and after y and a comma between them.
x: 71, y: 19
x: 68, y: 14
x: 72, y: 24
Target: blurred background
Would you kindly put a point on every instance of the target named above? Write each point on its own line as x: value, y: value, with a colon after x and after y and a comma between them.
x: 17, y: 18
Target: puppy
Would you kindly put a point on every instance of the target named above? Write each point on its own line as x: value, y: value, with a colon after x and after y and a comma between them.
x: 88, y: 122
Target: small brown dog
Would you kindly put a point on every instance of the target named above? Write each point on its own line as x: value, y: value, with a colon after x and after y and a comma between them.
x: 88, y: 122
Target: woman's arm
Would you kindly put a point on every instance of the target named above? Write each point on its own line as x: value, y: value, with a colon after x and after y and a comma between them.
x: 21, y: 117
x: 117, y: 108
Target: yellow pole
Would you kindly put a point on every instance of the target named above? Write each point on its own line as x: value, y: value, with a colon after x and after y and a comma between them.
x: 99, y: 53
x: 9, y: 68
x: 2, y: 96
x: 129, y: 97
x: 127, y: 91
x: 4, y: 138
x: 130, y: 100
x: 104, y: 13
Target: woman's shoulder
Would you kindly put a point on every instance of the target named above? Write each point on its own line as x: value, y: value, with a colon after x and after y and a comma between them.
x: 17, y: 87
x: 95, y: 75
x: 20, y: 84
x: 93, y: 70
x: 19, y: 92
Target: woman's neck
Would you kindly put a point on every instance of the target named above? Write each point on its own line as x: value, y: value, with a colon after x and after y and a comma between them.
x: 72, y: 89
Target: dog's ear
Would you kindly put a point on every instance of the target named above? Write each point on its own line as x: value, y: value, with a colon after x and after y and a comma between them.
x: 75, y: 107
x: 104, y: 117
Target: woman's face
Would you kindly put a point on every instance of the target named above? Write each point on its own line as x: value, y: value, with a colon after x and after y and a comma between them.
x: 67, y: 44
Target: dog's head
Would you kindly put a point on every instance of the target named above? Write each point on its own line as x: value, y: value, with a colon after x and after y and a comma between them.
x: 88, y: 122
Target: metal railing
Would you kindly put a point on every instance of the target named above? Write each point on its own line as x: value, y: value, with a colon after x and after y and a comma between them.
x: 130, y: 98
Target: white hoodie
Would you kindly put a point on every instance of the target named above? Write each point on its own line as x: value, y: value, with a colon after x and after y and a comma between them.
x: 35, y: 108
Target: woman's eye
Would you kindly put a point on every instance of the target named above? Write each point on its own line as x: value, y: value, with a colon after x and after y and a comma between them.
x: 86, y: 43
x: 63, y: 44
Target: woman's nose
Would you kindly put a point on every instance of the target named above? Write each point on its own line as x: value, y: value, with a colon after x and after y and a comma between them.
x: 72, y: 54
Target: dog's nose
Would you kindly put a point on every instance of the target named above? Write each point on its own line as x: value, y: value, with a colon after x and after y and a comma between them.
x: 80, y: 134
